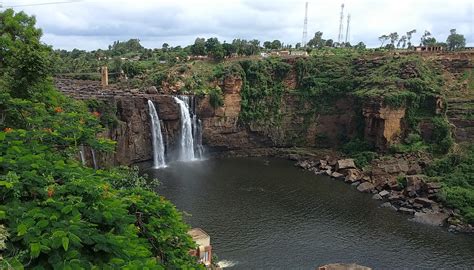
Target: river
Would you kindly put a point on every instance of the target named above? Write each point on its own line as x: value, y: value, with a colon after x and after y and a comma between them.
x: 264, y: 213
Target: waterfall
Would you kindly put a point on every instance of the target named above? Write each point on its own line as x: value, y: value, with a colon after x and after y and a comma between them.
x: 81, y: 153
x: 191, y: 131
x: 157, y: 139
x: 197, y: 135
x: 94, y: 160
x: 186, y: 148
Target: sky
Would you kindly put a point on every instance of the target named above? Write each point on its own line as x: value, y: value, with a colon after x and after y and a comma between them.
x: 90, y: 24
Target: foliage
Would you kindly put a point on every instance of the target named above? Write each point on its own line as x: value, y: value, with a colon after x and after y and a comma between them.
x: 360, y: 150
x: 57, y: 213
x: 455, y: 41
x: 107, y: 111
x: 24, y: 59
x: 215, y: 97
x: 456, y: 173
x: 441, y: 139
x: 262, y: 90
x: 412, y: 143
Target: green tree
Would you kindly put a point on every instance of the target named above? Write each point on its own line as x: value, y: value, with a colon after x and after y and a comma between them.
x: 360, y: 46
x: 455, y: 41
x: 409, y: 35
x: 329, y: 43
x: 393, y: 38
x: 267, y: 45
x: 57, y: 213
x: 199, y: 47
x: 427, y: 39
x: 317, y: 41
x: 383, y: 39
x: 276, y: 44
x: 229, y: 48
x: 214, y: 48
x: 24, y: 60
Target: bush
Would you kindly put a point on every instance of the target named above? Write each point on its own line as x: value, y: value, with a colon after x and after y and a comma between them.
x: 216, y: 98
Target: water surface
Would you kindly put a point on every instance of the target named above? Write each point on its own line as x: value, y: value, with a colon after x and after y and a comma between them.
x: 265, y: 213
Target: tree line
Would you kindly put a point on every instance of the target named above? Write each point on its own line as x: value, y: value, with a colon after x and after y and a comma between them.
x: 454, y: 41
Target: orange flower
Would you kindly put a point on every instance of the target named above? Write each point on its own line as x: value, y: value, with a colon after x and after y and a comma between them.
x: 50, y: 192
x: 8, y: 130
x: 96, y: 114
x: 58, y: 109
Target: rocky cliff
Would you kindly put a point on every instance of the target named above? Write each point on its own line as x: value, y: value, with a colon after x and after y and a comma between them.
x: 294, y: 121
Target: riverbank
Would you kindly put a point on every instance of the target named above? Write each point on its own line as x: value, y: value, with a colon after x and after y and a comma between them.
x: 397, y: 181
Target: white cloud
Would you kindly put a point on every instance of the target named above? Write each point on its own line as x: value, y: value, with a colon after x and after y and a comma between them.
x: 91, y: 24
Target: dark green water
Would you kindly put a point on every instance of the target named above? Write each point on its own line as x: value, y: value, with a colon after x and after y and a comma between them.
x: 266, y: 214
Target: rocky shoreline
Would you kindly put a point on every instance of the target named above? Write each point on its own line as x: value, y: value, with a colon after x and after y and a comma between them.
x: 395, y: 181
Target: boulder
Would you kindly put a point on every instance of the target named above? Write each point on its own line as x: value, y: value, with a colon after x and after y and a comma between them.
x: 414, y: 183
x: 345, y: 164
x: 433, y: 218
x: 377, y: 197
x: 424, y: 201
x: 337, y: 175
x: 365, y: 187
x: 384, y: 193
x: 293, y: 157
x: 151, y: 90
x: 352, y: 175
x: 389, y: 206
x: 405, y: 210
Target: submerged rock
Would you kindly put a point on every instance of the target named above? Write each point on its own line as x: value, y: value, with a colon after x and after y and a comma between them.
x: 405, y: 210
x: 433, y: 218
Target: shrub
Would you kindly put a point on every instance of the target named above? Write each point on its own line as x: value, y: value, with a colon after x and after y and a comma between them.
x: 216, y: 98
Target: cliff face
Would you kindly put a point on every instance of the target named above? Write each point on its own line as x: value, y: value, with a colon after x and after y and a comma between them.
x: 299, y: 124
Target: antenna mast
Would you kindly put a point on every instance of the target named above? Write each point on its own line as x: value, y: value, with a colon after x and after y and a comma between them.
x: 341, y: 27
x: 348, y: 28
x: 305, y: 26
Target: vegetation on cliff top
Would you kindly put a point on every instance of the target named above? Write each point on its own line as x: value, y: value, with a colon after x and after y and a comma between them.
x: 55, y: 213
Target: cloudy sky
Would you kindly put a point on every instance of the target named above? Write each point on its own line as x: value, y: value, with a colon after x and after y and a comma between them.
x: 90, y: 24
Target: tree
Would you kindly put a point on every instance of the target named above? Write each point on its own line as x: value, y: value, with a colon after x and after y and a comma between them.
x: 276, y: 44
x: 199, y: 47
x: 360, y: 46
x: 427, y: 39
x: 267, y: 45
x: 409, y: 34
x: 317, y: 41
x: 393, y: 38
x: 59, y: 213
x: 298, y: 45
x: 383, y: 39
x: 229, y: 49
x: 403, y: 41
x: 24, y: 60
x: 329, y: 43
x: 455, y: 41
x: 165, y: 46
x: 214, y: 48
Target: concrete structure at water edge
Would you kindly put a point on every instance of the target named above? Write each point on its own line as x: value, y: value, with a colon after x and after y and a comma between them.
x: 204, y: 249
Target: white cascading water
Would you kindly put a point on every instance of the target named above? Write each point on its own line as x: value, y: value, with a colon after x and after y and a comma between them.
x: 94, y: 160
x: 186, y: 148
x: 157, y: 138
x: 81, y: 153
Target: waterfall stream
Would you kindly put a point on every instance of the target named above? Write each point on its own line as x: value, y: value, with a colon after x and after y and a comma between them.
x: 191, y: 138
x: 157, y: 138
